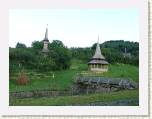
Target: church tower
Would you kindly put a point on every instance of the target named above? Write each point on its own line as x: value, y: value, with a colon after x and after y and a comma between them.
x: 98, y: 62
x: 45, y: 42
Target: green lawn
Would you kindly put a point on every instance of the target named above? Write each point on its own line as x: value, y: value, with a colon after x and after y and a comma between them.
x: 80, y: 100
x: 118, y: 71
x: 64, y: 79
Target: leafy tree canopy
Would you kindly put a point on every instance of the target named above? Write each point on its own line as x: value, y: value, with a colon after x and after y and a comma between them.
x: 37, y: 45
x: 20, y: 45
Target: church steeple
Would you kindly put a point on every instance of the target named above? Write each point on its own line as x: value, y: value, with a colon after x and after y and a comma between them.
x: 98, y: 54
x: 45, y: 41
x: 46, y: 34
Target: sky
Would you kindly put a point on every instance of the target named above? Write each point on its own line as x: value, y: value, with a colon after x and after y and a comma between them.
x: 74, y: 27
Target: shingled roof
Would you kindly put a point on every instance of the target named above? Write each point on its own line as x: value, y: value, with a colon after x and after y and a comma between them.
x: 98, y: 58
x: 98, y: 62
x: 98, y: 54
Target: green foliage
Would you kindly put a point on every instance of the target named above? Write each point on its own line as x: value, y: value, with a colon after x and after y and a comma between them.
x: 20, y: 45
x: 40, y: 67
x: 114, y: 52
x: 64, y: 79
x: 32, y: 58
x: 40, y: 81
x: 21, y: 57
x: 79, y: 65
x: 112, y: 55
x: 56, y: 44
x: 123, y: 71
x: 118, y: 50
x: 78, y: 100
x: 44, y: 80
x: 82, y: 53
x: 120, y: 45
x: 118, y: 71
x: 44, y: 64
x: 60, y: 54
x: 37, y: 45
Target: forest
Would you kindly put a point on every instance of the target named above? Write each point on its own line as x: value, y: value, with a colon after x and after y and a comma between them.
x: 60, y: 56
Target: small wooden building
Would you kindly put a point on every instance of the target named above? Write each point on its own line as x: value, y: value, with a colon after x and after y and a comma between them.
x: 98, y: 62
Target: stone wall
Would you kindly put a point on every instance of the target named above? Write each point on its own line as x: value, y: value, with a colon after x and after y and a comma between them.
x: 102, y: 85
x: 82, y: 85
x: 39, y: 93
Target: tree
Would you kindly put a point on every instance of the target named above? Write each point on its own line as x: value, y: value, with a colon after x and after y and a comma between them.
x: 82, y: 53
x: 21, y: 56
x: 60, y: 54
x: 114, y: 52
x: 56, y: 44
x: 20, y: 45
x: 38, y: 45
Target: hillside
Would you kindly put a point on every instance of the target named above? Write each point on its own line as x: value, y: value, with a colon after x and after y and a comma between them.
x: 56, y: 71
x: 64, y: 79
x: 118, y: 51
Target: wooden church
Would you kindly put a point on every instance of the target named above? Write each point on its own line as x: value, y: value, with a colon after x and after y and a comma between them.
x: 98, y: 62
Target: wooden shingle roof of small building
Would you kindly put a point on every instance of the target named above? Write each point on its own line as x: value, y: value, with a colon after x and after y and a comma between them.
x: 98, y: 58
x: 98, y: 62
x: 98, y: 54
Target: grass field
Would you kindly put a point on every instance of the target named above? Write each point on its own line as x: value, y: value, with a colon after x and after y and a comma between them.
x: 64, y: 79
x: 118, y: 71
x: 78, y: 100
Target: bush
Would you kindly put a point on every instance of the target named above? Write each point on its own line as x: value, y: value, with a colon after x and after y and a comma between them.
x: 22, y: 79
x: 37, y: 45
x: 21, y: 57
x: 60, y: 54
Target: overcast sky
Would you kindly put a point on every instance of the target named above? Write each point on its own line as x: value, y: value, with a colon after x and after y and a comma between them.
x: 74, y: 27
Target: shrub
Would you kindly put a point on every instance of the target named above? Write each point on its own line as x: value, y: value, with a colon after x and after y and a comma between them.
x: 22, y: 79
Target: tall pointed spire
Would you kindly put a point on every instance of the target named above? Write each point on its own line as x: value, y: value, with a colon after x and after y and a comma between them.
x: 98, y: 54
x: 45, y: 41
x: 46, y: 34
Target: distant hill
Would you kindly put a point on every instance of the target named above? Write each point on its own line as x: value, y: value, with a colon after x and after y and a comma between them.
x: 120, y: 45
x: 115, y: 51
